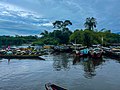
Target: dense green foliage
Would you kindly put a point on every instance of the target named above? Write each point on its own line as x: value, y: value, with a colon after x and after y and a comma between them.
x: 47, y: 38
x: 88, y: 37
x: 59, y: 36
x: 54, y: 38
x: 84, y: 37
x: 16, y: 40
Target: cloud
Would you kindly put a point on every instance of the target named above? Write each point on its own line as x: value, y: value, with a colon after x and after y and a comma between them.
x: 18, y: 20
x: 39, y: 14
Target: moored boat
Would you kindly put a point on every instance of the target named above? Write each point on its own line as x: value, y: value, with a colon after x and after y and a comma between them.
x: 21, y: 57
x: 83, y: 52
x: 50, y: 86
x: 112, y: 52
x: 96, y: 53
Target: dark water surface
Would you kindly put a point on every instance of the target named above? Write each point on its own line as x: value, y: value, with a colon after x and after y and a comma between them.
x: 63, y: 70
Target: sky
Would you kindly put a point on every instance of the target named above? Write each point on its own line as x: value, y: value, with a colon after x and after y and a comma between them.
x: 31, y: 17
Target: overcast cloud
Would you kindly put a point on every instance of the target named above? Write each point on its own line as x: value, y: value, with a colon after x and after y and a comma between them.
x: 34, y: 16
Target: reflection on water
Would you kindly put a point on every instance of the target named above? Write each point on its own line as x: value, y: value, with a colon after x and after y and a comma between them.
x: 89, y: 68
x: 61, y: 62
x: 73, y: 73
x: 89, y: 64
x: 8, y: 61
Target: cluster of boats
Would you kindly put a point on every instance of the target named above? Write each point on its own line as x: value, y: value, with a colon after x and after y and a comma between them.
x: 112, y: 52
x: 20, y: 53
x: 99, y: 52
x: 91, y: 52
x: 82, y: 51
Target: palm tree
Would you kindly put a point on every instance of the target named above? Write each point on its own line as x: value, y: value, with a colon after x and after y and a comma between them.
x: 90, y: 23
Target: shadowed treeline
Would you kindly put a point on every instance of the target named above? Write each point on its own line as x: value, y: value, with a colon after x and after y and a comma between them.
x: 16, y: 40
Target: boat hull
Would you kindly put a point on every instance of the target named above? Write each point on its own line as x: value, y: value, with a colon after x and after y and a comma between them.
x: 21, y: 57
x: 49, y: 86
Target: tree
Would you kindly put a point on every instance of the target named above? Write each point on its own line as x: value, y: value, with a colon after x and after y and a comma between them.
x: 58, y: 24
x: 45, y: 33
x: 66, y: 23
x: 63, y: 33
x: 61, y: 24
x: 77, y: 36
x: 90, y: 23
x: 87, y: 38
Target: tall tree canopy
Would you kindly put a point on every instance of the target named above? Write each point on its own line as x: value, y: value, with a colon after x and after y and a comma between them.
x: 90, y: 23
x: 61, y: 24
x: 62, y: 33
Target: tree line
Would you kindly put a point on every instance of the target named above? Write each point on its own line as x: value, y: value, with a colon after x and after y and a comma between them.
x: 89, y: 36
x: 16, y: 40
x: 63, y: 35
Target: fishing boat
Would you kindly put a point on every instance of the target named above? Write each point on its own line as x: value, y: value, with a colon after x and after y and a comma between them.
x: 21, y: 57
x: 82, y: 53
x: 112, y: 52
x: 96, y: 53
x: 50, y: 86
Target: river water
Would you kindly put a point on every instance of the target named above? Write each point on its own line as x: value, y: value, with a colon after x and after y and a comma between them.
x: 70, y: 72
